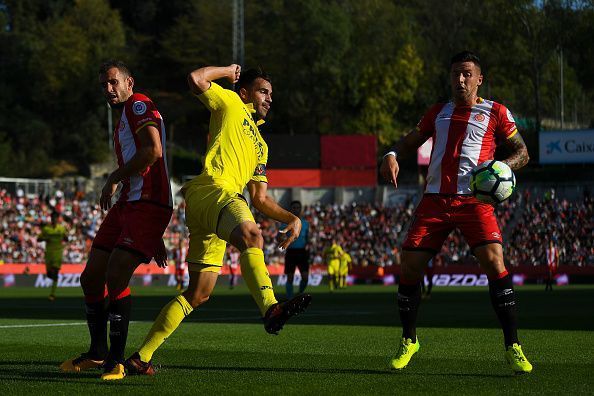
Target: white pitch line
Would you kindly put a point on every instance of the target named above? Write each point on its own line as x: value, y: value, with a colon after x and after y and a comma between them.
x: 43, y: 325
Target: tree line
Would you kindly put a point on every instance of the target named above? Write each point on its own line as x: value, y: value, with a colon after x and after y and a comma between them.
x: 338, y: 67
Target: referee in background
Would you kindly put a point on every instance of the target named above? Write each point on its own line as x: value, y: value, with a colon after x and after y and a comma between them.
x: 297, y: 255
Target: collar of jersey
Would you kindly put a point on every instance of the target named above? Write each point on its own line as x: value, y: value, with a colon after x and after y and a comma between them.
x: 250, y: 107
x: 479, y: 101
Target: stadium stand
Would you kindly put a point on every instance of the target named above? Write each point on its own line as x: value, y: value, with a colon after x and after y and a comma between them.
x: 370, y: 233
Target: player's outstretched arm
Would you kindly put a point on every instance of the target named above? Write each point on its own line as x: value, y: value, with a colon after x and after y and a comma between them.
x: 518, y: 152
x: 199, y: 80
x: 268, y: 206
x: 408, y: 143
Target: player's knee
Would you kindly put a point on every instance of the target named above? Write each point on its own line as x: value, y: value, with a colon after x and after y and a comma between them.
x: 411, y: 272
x: 90, y: 281
x: 492, y: 265
x: 252, y: 237
x: 196, y: 299
x: 115, y: 281
x: 491, y: 262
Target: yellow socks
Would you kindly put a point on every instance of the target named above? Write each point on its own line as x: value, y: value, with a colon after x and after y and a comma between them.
x: 255, y: 275
x: 168, y: 320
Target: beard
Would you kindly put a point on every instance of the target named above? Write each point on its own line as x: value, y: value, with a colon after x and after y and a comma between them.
x: 117, y: 106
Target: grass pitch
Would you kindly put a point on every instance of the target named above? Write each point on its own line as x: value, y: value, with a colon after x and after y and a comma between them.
x: 341, y: 345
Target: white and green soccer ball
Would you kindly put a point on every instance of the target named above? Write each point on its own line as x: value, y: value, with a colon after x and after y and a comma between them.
x: 492, y: 182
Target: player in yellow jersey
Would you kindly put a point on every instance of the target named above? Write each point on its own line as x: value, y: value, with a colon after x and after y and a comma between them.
x: 54, y: 235
x: 332, y: 255
x: 217, y: 213
x: 345, y: 267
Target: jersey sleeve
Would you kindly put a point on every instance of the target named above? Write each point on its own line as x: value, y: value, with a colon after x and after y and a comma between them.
x: 506, y: 125
x: 143, y: 112
x: 426, y: 127
x: 215, y: 98
x: 260, y: 171
x: 260, y: 174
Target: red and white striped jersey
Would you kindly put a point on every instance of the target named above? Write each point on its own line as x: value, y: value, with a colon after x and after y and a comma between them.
x: 153, y: 183
x: 463, y: 137
x: 552, y: 257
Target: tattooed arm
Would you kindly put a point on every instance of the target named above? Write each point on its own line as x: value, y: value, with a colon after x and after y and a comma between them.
x: 518, y: 156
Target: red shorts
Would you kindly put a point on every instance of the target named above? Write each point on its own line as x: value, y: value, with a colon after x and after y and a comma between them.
x: 437, y: 215
x: 180, y: 269
x: 135, y: 226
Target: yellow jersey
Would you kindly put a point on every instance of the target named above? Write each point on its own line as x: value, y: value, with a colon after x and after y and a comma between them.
x: 345, y: 260
x: 333, y: 252
x: 236, y: 153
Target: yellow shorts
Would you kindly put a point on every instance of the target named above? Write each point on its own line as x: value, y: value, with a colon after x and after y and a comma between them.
x: 344, y: 270
x: 333, y: 267
x: 211, y: 215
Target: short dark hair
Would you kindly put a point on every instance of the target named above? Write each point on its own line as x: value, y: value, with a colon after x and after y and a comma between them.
x: 296, y: 203
x: 121, y: 66
x: 246, y: 78
x: 466, y: 56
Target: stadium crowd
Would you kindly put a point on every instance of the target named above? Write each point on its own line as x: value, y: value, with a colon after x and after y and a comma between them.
x: 569, y: 224
x: 371, y: 234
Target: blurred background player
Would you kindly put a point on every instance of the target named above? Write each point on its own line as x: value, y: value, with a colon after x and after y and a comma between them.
x: 552, y: 253
x: 332, y: 255
x: 233, y: 263
x: 54, y: 235
x: 180, y: 263
x: 132, y: 231
x: 465, y: 133
x: 297, y: 255
x: 217, y: 213
x: 345, y: 267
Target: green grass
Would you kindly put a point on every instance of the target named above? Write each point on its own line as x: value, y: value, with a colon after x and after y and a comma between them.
x: 342, y: 345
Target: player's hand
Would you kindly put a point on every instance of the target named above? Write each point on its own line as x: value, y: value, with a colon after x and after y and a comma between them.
x: 161, y: 255
x: 234, y: 73
x: 389, y: 169
x: 291, y: 232
x: 106, y: 193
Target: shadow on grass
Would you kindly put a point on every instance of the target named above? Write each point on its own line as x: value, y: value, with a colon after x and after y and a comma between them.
x: 29, y: 376
x: 565, y: 309
x: 332, y: 371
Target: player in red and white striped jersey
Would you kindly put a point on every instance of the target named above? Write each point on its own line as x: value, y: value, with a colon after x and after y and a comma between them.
x: 465, y: 132
x: 552, y: 253
x: 132, y: 231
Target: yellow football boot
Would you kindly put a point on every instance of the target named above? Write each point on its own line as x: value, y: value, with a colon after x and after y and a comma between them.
x: 516, y: 359
x: 116, y: 372
x: 81, y: 363
x: 407, y: 349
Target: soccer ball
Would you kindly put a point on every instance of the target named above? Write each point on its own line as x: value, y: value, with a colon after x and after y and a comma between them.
x: 492, y: 182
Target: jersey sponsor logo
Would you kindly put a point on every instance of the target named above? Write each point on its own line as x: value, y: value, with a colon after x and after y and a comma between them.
x: 510, y: 117
x: 139, y: 108
x: 250, y: 131
x: 479, y: 117
x: 260, y: 170
x: 496, y: 235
